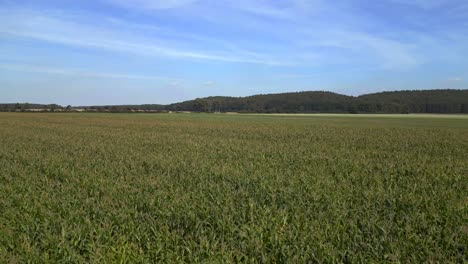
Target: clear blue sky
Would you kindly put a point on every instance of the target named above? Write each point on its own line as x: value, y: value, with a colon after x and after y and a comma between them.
x: 86, y: 52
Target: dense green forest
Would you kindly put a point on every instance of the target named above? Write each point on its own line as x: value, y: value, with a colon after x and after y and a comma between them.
x: 421, y: 101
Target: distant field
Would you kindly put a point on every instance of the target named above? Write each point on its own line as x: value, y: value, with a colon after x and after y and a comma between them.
x: 233, y: 188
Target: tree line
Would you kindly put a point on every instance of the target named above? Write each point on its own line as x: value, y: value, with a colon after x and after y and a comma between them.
x: 22, y: 107
x: 420, y: 101
x: 430, y: 101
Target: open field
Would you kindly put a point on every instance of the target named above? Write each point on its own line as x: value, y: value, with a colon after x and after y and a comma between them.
x: 233, y: 188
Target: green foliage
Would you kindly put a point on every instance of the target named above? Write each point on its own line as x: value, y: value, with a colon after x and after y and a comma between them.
x: 80, y: 188
x: 25, y: 106
x: 430, y: 101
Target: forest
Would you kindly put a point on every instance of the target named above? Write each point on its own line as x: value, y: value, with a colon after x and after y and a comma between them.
x: 417, y: 101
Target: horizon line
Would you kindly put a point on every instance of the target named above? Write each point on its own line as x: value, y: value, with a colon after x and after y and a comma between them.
x: 239, y: 97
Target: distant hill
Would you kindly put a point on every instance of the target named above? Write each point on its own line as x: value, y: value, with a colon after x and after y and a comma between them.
x: 429, y: 101
x: 420, y: 101
x: 424, y: 101
x: 269, y: 103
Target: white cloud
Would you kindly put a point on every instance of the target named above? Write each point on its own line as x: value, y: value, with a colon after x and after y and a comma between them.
x: 359, y: 46
x: 424, y: 4
x: 263, y: 9
x: 289, y: 37
x: 209, y: 83
x: 308, y: 36
x: 293, y: 76
x: 150, y: 4
x: 80, y: 73
x: 455, y: 79
x: 65, y: 30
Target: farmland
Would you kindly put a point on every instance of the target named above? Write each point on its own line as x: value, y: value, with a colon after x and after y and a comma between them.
x: 233, y: 188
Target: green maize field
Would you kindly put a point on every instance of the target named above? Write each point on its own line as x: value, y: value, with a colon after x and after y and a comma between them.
x: 221, y: 188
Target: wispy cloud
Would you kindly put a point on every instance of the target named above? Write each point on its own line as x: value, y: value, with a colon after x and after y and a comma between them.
x: 293, y: 76
x: 150, y: 4
x: 424, y: 4
x: 246, y: 46
x: 81, y: 73
x: 65, y: 30
x: 302, y: 30
x: 455, y: 79
x: 293, y: 33
x: 296, y: 40
x: 263, y: 8
x: 209, y: 83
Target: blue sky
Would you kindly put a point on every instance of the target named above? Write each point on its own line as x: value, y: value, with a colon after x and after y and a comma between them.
x: 153, y: 51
